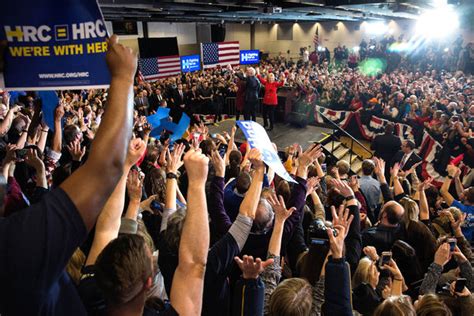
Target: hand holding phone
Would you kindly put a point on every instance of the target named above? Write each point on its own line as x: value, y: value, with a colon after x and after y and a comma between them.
x: 459, y: 285
x: 385, y: 258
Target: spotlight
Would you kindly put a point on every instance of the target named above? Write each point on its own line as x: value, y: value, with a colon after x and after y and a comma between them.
x: 437, y: 23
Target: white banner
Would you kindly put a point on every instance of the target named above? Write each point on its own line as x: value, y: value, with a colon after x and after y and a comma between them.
x: 257, y: 138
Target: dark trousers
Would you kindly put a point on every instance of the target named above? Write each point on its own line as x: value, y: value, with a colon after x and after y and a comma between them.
x: 249, y: 110
x: 268, y: 112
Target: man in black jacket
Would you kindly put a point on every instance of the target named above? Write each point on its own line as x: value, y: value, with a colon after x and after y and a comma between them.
x: 252, y: 89
x: 407, y: 157
x: 179, y: 104
x: 386, y: 145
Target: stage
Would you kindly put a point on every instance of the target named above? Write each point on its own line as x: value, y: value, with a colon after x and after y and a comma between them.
x: 283, y: 135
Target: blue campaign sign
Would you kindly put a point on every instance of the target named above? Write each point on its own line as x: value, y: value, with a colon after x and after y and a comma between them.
x: 190, y: 63
x: 257, y: 137
x: 54, y: 45
x: 249, y: 57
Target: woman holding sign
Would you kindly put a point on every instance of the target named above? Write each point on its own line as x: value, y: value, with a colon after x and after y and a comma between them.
x: 270, y: 99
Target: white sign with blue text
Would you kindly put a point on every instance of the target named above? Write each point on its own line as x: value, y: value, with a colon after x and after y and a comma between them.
x: 257, y: 138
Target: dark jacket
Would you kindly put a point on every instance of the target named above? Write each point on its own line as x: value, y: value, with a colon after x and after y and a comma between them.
x: 386, y: 146
x: 249, y: 297
x: 413, y: 159
x: 337, y: 288
x: 252, y: 87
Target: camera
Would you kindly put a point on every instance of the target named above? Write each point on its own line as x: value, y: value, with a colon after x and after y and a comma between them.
x: 317, y: 231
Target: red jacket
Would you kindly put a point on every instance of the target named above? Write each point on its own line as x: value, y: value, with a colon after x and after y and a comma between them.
x: 270, y: 97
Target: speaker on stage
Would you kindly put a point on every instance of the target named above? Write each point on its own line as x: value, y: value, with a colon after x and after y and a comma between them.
x: 297, y: 119
x: 217, y: 33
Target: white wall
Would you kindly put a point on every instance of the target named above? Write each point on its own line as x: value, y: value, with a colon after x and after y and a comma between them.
x: 185, y: 32
x: 238, y: 32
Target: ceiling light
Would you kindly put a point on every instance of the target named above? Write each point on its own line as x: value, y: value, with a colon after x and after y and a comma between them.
x: 437, y: 23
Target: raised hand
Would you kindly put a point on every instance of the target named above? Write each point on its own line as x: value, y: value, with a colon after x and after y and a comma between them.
x: 336, y: 243
x: 10, y: 155
x: 393, y: 268
x: 121, y: 60
x: 279, y: 207
x: 136, y: 149
x: 423, y: 185
x: 452, y: 170
x: 197, y: 166
x: 255, y: 157
x: 33, y: 160
x: 341, y: 218
x: 394, y: 170
x: 59, y: 113
x: 465, y: 291
x: 251, y: 269
x: 379, y: 166
x: 218, y: 163
x: 442, y: 255
x: 310, y: 155
x: 311, y: 185
x: 77, y: 152
x: 134, y: 186
x: 343, y: 188
x: 371, y: 252
x: 174, y: 161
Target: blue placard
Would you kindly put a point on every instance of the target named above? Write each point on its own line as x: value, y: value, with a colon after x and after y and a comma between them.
x: 190, y: 63
x: 54, y: 44
x: 249, y: 57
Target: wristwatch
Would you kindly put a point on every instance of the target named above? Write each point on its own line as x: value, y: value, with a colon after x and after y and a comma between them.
x: 171, y: 175
x: 350, y: 197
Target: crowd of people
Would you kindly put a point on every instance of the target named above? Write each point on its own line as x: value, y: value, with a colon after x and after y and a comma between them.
x: 100, y: 218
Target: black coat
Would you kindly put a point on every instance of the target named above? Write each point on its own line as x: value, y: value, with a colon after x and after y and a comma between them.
x: 414, y: 158
x: 386, y: 146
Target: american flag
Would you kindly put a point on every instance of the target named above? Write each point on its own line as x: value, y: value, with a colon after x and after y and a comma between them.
x: 159, y: 67
x: 223, y: 54
x: 316, y: 38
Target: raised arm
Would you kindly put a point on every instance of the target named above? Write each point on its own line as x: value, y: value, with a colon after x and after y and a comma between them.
x: 380, y: 173
x: 57, y: 143
x: 216, y: 198
x: 7, y: 122
x: 188, y: 281
x: 298, y: 193
x: 108, y: 223
x: 424, y: 207
x: 230, y: 145
x: 112, y: 138
x: 33, y: 160
x: 172, y: 166
x: 248, y: 207
x: 397, y: 186
x: 446, y: 184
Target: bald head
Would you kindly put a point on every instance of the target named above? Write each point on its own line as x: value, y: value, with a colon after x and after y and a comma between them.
x: 391, y: 213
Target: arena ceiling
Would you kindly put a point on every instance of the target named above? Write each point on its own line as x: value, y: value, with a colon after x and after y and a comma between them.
x: 255, y: 11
